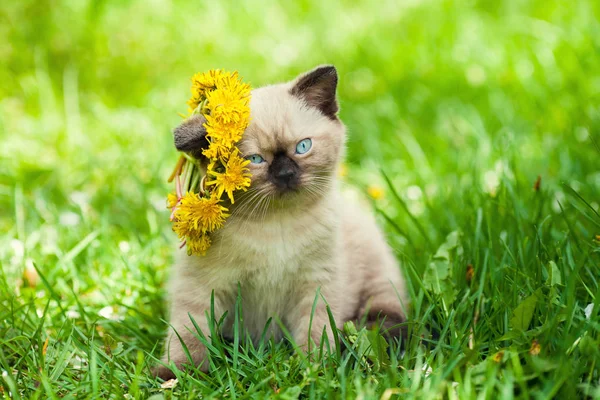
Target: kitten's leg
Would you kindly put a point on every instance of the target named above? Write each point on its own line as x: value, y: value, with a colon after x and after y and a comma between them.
x: 174, y: 350
x: 301, y: 317
x: 385, y: 302
x: 197, y: 302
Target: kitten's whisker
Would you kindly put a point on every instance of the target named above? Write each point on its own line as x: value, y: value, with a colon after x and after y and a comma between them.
x: 255, y: 206
x: 247, y: 203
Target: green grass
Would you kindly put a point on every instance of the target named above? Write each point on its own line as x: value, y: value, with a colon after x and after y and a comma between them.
x: 460, y: 104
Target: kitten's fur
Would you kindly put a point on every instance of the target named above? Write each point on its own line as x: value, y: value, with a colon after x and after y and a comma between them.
x: 290, y: 234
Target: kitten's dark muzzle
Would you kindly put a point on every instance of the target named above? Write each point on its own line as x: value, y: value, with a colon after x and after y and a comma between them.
x: 284, y: 172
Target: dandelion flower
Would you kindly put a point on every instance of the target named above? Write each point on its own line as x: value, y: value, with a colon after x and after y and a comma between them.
x: 234, y: 84
x: 375, y: 192
x: 201, y: 84
x: 224, y: 100
x: 535, y: 348
x: 216, y: 149
x: 172, y: 200
x: 235, y: 177
x: 198, y: 244
x: 228, y: 107
x: 196, y: 215
x: 498, y: 357
x: 224, y: 134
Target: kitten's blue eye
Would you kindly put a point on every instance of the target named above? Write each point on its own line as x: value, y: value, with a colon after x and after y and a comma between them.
x: 255, y: 159
x: 303, y: 146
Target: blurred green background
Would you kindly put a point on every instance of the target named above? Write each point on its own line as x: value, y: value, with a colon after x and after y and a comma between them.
x: 446, y: 96
x: 426, y: 87
x: 463, y: 104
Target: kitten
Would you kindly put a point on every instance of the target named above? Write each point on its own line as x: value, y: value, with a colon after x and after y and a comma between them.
x: 291, y: 234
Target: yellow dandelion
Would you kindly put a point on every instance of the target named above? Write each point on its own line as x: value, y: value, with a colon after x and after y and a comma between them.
x: 201, y: 84
x: 535, y: 348
x: 235, y: 177
x: 233, y: 83
x: 224, y: 100
x: 227, y: 106
x: 375, y: 192
x: 198, y: 244
x: 172, y: 200
x: 226, y: 134
x: 196, y: 215
x: 193, y: 103
x: 216, y: 150
x: 498, y: 357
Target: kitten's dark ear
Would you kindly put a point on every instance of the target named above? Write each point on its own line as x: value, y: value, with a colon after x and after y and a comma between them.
x: 190, y: 136
x: 317, y: 88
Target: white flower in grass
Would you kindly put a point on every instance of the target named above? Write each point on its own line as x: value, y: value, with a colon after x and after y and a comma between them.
x: 108, y: 312
x: 491, y: 182
x: 18, y: 249
x: 414, y: 193
x: 78, y: 362
x: 81, y: 199
x: 73, y: 314
x: 69, y: 218
x: 124, y: 246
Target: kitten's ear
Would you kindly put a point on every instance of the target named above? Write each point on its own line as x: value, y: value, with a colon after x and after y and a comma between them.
x: 317, y: 88
x: 190, y: 136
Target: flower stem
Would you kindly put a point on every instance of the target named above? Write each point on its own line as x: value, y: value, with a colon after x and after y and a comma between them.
x: 178, y: 186
x: 189, y: 168
x: 177, y: 169
x: 195, y: 179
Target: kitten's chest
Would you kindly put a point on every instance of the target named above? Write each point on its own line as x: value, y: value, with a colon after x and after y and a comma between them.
x: 271, y: 262
x: 264, y: 299
x: 267, y: 292
x: 267, y: 252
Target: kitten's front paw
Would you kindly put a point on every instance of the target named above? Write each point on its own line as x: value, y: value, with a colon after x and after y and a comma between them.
x: 163, y: 372
x: 303, y: 346
x: 390, y: 319
x: 177, y: 356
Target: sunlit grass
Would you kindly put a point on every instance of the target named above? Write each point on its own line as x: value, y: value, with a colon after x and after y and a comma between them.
x: 453, y: 110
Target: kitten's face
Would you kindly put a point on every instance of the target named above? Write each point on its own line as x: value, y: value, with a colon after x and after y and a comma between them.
x: 294, y: 143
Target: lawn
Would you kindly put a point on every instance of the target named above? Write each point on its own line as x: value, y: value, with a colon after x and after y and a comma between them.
x: 474, y: 131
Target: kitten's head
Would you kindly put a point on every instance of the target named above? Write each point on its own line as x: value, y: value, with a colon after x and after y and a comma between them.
x: 294, y: 141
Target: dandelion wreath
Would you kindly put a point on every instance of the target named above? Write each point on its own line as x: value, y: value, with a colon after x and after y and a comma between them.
x: 196, y: 206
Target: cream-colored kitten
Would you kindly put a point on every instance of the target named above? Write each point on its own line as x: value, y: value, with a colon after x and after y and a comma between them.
x: 291, y: 234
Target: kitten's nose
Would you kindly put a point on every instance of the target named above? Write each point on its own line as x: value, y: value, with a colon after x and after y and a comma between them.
x: 284, y: 172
